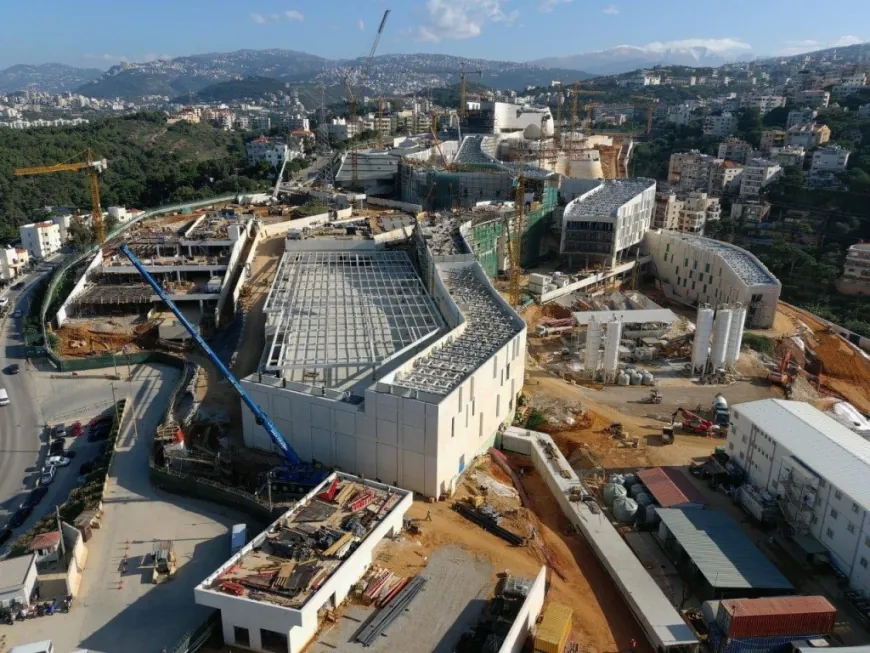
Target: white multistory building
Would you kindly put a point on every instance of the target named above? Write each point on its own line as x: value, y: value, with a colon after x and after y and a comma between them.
x: 734, y: 149
x: 856, y: 272
x: 686, y: 212
x: 271, y: 150
x: 764, y: 103
x: 341, y: 129
x: 809, y: 135
x: 696, y: 270
x: 603, y: 223
x: 724, y: 124
x: 13, y: 262
x: 798, y: 117
x: 814, y: 98
x: 757, y: 174
x: 826, y: 163
x: 817, y: 469
x: 41, y: 239
x: 693, y: 171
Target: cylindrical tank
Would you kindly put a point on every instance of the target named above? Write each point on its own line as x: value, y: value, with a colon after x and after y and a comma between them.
x: 720, y: 402
x: 652, y: 514
x: 701, y: 344
x: 623, y: 379
x: 643, y: 499
x: 629, y: 479
x: 735, y: 337
x: 592, y: 354
x: 625, y: 510
x: 618, y: 479
x: 612, y: 492
x: 634, y: 377
x: 721, y: 331
x: 611, y: 350
x: 634, y: 490
x: 646, y: 378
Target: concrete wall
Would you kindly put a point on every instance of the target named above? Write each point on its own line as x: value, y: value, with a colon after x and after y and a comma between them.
x: 515, y: 640
x: 226, y: 282
x: 299, y: 625
x: 413, y: 209
x: 79, y: 288
x: 712, y: 281
x: 592, y: 280
x: 855, y: 340
x: 246, y: 271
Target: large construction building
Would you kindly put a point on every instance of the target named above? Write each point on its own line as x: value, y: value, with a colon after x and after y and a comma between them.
x: 396, y: 365
x: 696, y: 270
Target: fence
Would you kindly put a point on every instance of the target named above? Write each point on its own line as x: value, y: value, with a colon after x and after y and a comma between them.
x: 194, y: 640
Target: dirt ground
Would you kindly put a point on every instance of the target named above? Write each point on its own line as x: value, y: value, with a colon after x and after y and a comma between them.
x: 602, y: 621
x: 93, y: 338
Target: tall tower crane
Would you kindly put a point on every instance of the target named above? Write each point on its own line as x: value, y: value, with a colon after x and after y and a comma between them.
x: 515, y: 239
x: 352, y: 97
x: 95, y: 168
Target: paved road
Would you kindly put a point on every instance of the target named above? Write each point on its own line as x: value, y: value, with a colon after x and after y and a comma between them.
x: 127, y: 613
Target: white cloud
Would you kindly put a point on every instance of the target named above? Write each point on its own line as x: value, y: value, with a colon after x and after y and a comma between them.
x: 549, y: 5
x: 719, y: 46
x: 294, y: 16
x: 291, y: 15
x: 259, y: 19
x: 799, y: 46
x: 454, y: 20
x: 361, y: 24
x: 611, y: 10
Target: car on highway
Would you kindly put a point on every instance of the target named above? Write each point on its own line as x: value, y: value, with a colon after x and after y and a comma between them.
x: 37, y: 495
x: 20, y: 516
x: 15, y: 368
x: 59, y: 461
x: 17, y: 313
x: 48, y: 473
x: 59, y: 431
x: 18, y: 286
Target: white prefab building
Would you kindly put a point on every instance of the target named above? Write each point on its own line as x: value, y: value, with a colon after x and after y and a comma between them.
x: 603, y: 223
x: 17, y: 579
x: 281, y: 620
x: 818, y: 468
x: 697, y: 270
x: 384, y: 369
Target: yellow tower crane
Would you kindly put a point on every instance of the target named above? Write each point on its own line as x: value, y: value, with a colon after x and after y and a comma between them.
x: 95, y: 168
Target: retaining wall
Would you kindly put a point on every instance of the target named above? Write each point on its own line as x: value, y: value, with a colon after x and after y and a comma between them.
x: 414, y: 209
x: 525, y: 622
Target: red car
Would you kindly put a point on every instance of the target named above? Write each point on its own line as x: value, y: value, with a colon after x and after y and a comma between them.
x: 75, y: 430
x: 98, y: 421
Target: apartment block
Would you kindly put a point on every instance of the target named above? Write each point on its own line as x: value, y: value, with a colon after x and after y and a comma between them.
x: 750, y: 211
x: 734, y: 149
x: 270, y: 150
x: 667, y: 211
x: 764, y: 103
x: 827, y: 162
x: 13, y: 261
x: 41, y: 239
x: 773, y: 138
x: 693, y: 171
x: 788, y: 156
x: 724, y: 124
x: 856, y: 271
x: 809, y: 136
x: 814, y: 98
x: 803, y: 116
x: 757, y: 174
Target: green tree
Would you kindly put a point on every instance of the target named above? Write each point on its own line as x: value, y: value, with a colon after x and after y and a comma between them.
x: 776, y: 118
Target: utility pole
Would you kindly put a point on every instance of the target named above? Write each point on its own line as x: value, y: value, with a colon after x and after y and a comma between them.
x: 60, y: 530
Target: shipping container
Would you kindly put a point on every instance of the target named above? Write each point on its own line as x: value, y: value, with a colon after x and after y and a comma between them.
x: 783, y: 615
x: 554, y: 630
x: 720, y: 643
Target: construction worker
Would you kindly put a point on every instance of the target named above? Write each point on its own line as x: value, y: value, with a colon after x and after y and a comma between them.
x: 633, y: 645
x: 428, y: 515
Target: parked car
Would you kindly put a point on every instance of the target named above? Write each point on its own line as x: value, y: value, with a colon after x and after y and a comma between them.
x: 18, y: 286
x: 75, y: 430
x: 5, y: 534
x: 17, y: 313
x: 59, y: 461
x: 101, y: 433
x: 101, y: 419
x: 59, y: 431
x: 20, y: 516
x: 37, y: 495
x: 48, y: 473
x: 56, y: 447
x: 15, y: 368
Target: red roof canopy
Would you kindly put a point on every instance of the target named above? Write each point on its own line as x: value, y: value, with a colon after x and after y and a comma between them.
x: 670, y: 487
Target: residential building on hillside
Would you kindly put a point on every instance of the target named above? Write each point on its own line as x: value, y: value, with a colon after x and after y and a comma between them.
x: 856, y: 271
x: 685, y: 212
x: 602, y: 224
x: 788, y: 156
x: 814, y: 98
x: 817, y: 469
x: 849, y: 84
x: 693, y: 171
x: 724, y: 124
x: 13, y: 262
x: 827, y: 162
x: 41, y: 239
x: 803, y: 116
x: 809, y: 136
x: 270, y: 150
x: 667, y: 211
x: 734, y: 149
x: 725, y: 178
x: 340, y: 129
x: 764, y: 103
x: 773, y: 138
x: 697, y: 270
x: 750, y: 211
x: 757, y: 174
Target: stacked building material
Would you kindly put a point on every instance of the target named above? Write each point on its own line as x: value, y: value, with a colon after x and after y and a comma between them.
x: 554, y: 630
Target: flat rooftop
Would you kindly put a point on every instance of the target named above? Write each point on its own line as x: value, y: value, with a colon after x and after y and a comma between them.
x: 13, y: 571
x: 338, y: 314
x: 298, y: 553
x: 746, y: 266
x: 606, y: 198
x: 490, y: 326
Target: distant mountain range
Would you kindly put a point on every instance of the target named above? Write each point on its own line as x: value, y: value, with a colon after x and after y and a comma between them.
x: 625, y: 58
x: 48, y: 77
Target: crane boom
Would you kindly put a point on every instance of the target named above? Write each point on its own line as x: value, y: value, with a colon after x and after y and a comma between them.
x: 301, y: 468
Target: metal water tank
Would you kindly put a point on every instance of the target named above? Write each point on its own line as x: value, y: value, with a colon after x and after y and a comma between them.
x: 735, y: 337
x: 623, y: 378
x: 612, y: 492
x: 701, y: 343
x: 625, y: 510
x: 636, y: 489
x: 721, y: 331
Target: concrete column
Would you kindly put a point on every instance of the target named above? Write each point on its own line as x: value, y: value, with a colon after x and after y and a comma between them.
x: 178, y: 274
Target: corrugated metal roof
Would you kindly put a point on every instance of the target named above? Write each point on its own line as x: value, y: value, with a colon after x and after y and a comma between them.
x: 670, y: 487
x: 779, y: 605
x: 806, y: 431
x: 720, y: 550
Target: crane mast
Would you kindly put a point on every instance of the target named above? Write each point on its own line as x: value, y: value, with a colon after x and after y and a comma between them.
x: 296, y: 470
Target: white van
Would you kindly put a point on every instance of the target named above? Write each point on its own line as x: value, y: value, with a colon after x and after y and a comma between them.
x: 44, y: 646
x: 4, y: 397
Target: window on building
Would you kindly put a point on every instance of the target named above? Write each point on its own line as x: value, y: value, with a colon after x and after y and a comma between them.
x: 838, y: 495
x: 822, y: 483
x: 829, y: 533
x: 850, y: 527
x: 743, y: 438
x: 686, y: 261
x: 678, y: 271
x: 867, y: 541
x: 855, y: 507
x: 272, y: 641
x: 863, y: 562
x: 707, y: 268
x: 731, y: 446
x: 741, y: 454
x: 834, y: 514
x: 242, y: 636
x: 693, y: 285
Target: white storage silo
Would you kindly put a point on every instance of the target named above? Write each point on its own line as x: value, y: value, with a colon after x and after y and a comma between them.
x: 592, y: 354
x: 701, y: 344
x: 735, y: 337
x: 721, y: 332
x: 611, y: 351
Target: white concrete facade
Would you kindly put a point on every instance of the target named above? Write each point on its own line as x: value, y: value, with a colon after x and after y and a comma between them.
x: 856, y: 271
x: 41, y: 239
x: 700, y: 270
x: 270, y: 150
x: 757, y: 174
x: 299, y: 625
x: 761, y: 440
x: 800, y: 117
x: 724, y: 124
x: 509, y: 118
x: 734, y: 149
x: 17, y: 579
x: 13, y: 261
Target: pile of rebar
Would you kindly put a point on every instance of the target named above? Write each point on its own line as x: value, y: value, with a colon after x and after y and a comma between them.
x: 390, y: 611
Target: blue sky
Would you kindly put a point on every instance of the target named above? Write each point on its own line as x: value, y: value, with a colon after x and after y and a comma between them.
x: 100, y: 33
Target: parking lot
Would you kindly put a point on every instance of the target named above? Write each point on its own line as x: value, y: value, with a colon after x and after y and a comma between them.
x: 123, y: 611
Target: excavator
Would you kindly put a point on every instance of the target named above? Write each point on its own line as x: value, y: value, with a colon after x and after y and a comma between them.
x: 692, y: 423
x: 295, y: 476
x: 781, y: 376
